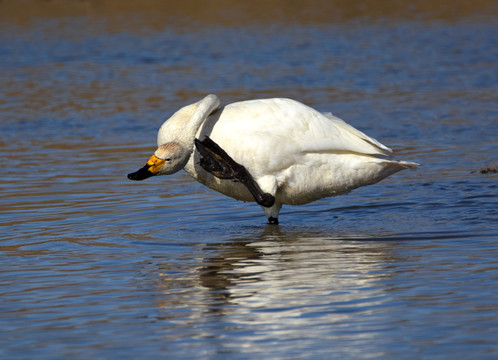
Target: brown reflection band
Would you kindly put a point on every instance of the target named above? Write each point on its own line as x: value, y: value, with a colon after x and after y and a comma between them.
x: 160, y: 14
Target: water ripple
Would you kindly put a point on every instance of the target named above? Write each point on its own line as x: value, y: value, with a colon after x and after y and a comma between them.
x: 94, y: 265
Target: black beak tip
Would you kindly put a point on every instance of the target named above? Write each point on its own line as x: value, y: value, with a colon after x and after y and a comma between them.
x: 140, y: 174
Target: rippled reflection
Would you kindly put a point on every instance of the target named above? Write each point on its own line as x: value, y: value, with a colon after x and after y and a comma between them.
x: 300, y: 288
x: 288, y: 272
x: 290, y: 288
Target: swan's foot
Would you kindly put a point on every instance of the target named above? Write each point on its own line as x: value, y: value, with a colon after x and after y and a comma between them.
x: 273, y: 221
x: 217, y: 162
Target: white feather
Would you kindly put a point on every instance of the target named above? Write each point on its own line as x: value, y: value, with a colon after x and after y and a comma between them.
x: 293, y: 152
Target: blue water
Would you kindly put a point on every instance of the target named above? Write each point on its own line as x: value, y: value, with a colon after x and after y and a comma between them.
x: 96, y: 266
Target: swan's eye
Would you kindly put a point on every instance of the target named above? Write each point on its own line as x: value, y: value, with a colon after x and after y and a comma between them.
x: 167, y: 159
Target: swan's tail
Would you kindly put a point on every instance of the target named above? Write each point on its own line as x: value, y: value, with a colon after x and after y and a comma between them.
x: 408, y: 164
x: 387, y: 168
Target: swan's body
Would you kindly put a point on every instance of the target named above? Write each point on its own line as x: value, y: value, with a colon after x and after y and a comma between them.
x: 292, y: 151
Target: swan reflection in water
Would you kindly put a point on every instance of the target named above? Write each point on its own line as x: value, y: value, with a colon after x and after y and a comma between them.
x: 283, y: 284
x: 279, y: 265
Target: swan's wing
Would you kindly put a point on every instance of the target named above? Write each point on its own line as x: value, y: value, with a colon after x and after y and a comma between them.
x: 311, y: 131
x: 340, y: 136
x: 274, y: 134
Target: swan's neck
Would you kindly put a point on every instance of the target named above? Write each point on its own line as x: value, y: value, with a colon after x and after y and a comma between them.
x: 202, y: 110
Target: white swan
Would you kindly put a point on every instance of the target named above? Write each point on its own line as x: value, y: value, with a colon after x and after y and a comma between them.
x: 293, y: 152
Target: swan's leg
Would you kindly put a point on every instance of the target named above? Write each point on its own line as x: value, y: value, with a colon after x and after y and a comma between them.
x: 269, y: 185
x: 213, y: 163
x: 272, y: 213
x: 217, y: 162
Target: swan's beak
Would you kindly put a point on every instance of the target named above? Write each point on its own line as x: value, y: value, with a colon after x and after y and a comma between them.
x: 150, y: 169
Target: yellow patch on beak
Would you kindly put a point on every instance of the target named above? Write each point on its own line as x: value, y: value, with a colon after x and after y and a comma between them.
x: 155, y: 164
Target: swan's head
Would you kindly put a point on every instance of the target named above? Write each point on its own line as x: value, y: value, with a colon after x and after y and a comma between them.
x: 176, y: 139
x: 167, y: 159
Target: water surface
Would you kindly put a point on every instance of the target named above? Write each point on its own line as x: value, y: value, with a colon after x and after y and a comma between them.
x: 94, y: 265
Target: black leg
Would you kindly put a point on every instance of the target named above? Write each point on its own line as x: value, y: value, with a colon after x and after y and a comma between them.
x: 273, y: 221
x: 217, y: 162
x: 213, y: 163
